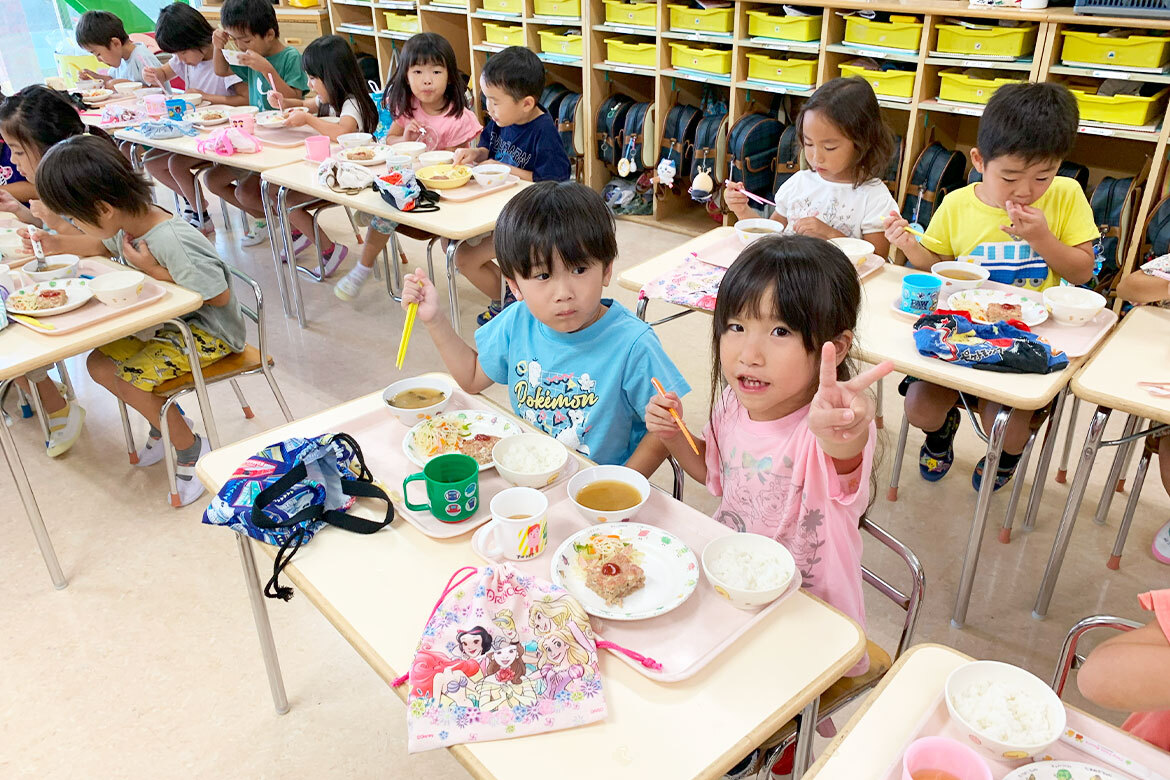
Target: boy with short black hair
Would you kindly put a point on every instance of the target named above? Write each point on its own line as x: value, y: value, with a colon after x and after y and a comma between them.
x: 1026, y: 225
x: 577, y: 366
x: 85, y: 179
x: 519, y: 134
x: 104, y: 36
x: 252, y: 26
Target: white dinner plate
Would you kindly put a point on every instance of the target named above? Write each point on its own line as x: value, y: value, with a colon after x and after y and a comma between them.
x: 76, y: 290
x: 476, y: 420
x: 1034, y: 311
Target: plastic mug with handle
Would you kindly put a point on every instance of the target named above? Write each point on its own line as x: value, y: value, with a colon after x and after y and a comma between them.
x: 452, y: 487
x: 519, y: 528
x: 156, y: 105
x: 244, y: 122
x: 317, y: 147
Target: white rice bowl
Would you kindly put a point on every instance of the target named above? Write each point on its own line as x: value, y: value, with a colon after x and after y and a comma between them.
x: 530, y: 459
x: 1003, y: 710
x: 749, y: 570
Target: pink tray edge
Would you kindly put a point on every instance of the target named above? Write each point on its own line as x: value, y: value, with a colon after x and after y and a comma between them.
x: 151, y: 292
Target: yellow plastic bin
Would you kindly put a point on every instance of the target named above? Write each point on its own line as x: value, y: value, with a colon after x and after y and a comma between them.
x: 1136, y: 51
x: 961, y: 87
x: 561, y: 42
x: 401, y: 22
x: 996, y: 41
x: 504, y: 34
x: 631, y: 14
x: 452, y: 3
x: 514, y: 7
x: 303, y: 3
x: 632, y: 51
x: 568, y: 8
x: 901, y: 32
x: 1119, y: 109
x: 708, y: 59
x: 712, y: 20
x: 795, y: 70
x: 888, y: 83
x: 762, y: 24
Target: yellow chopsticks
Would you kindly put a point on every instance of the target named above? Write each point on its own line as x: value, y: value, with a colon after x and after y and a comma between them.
x: 27, y: 320
x: 411, y: 313
x: 681, y: 425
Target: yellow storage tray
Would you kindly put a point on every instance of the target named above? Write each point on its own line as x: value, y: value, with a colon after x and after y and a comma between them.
x: 708, y: 59
x: 571, y: 8
x: 505, y: 34
x: 890, y: 83
x: 898, y: 33
x: 714, y: 20
x: 1136, y: 51
x: 1119, y: 109
x: 561, y: 42
x: 515, y: 7
x: 452, y: 3
x: 632, y: 51
x: 631, y: 14
x: 765, y: 67
x: 303, y: 3
x: 962, y: 87
x: 401, y: 22
x: 762, y: 24
x: 996, y: 41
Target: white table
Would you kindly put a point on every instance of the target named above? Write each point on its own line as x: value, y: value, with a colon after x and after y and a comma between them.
x: 378, y: 591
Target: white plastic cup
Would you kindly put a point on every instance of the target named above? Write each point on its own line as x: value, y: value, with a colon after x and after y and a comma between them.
x: 519, y: 527
x: 1033, y: 5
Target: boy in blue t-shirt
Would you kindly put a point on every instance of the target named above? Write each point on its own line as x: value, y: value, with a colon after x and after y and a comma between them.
x: 520, y: 135
x: 577, y: 366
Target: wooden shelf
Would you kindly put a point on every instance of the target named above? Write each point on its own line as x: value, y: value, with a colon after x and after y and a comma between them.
x: 444, y: 9
x: 775, y: 88
x: 771, y: 44
x: 972, y: 62
x: 635, y: 70
x: 701, y: 37
x: 498, y: 17
x: 877, y: 54
x: 1107, y: 73
x: 617, y: 29
x: 701, y: 78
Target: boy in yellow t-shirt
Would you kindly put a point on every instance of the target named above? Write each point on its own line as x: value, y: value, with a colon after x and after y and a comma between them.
x: 1028, y: 226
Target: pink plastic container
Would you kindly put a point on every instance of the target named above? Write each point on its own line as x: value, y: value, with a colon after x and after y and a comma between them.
x: 156, y: 105
x: 946, y: 755
x: 317, y: 147
x: 244, y: 122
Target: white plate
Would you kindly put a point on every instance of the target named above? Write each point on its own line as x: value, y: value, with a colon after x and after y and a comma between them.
x: 271, y: 120
x: 1034, y: 312
x: 478, y: 421
x: 97, y: 95
x: 1063, y: 770
x: 198, y: 119
x: 671, y: 569
x: 76, y: 290
x: 381, y: 154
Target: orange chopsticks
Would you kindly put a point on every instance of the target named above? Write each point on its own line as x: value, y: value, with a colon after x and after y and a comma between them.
x: 681, y: 425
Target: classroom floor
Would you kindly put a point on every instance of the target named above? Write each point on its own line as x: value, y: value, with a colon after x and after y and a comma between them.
x: 148, y: 664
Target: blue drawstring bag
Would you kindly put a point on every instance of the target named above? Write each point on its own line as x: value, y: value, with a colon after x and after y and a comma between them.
x: 288, y: 491
x: 997, y: 347
x: 165, y: 128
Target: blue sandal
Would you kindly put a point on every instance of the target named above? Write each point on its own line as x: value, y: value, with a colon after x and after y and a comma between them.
x: 933, y: 466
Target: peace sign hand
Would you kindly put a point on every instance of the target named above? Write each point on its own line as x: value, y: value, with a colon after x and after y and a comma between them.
x: 841, y: 411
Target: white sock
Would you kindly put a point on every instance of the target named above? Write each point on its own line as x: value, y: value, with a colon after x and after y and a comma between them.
x: 361, y: 272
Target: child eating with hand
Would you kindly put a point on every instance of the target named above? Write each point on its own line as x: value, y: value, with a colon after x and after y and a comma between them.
x: 86, y: 179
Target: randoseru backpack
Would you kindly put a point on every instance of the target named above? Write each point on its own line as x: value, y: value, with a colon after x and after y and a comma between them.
x: 571, y: 125
x: 787, y: 157
x: 751, y: 152
x: 611, y: 122
x: 937, y: 171
x: 677, y: 142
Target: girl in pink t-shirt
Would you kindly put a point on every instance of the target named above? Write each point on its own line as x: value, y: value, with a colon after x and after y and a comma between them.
x: 428, y: 101
x: 789, y: 447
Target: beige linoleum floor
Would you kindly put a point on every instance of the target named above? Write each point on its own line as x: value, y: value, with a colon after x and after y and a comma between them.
x: 148, y: 664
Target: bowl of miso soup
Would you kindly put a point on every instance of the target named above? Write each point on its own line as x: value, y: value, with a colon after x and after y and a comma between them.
x: 608, y: 494
x: 417, y: 399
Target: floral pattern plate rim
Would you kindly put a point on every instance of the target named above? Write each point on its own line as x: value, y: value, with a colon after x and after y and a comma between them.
x: 1063, y: 770
x: 490, y: 423
x: 672, y: 572
x: 77, y: 294
x: 1034, y: 312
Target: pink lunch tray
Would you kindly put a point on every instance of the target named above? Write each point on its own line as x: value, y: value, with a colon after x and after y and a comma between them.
x: 1073, y: 341
x: 94, y: 311
x: 474, y: 189
x: 707, y: 621
x: 282, y: 137
x: 937, y: 722
x: 724, y: 252
x: 380, y: 434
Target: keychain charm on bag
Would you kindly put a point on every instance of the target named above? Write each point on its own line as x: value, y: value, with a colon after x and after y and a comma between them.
x: 626, y: 164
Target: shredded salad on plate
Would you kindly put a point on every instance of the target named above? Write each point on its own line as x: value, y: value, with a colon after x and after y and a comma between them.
x: 602, y: 547
x: 440, y: 435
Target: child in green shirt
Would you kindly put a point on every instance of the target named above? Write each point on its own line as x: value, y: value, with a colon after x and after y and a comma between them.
x: 252, y: 26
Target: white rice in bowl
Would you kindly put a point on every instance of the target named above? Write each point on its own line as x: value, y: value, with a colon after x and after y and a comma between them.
x: 532, y: 460
x: 749, y: 569
x: 1003, y: 712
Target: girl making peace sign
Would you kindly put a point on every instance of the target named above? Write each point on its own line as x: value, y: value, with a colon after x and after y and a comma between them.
x: 791, y: 439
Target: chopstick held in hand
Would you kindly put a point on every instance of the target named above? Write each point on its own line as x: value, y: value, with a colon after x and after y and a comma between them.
x: 681, y: 425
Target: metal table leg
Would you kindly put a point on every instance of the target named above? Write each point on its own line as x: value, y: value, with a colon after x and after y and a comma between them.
x: 251, y: 576
x: 643, y: 302
x: 899, y: 454
x: 1005, y: 532
x: 1135, y: 492
x: 1117, y: 470
x: 805, y: 736
x: 452, y: 289
x: 1045, y: 463
x: 294, y: 280
x: 270, y: 223
x: 979, y: 522
x: 1076, y: 492
x: 16, y: 468
x: 39, y: 406
x: 1062, y: 469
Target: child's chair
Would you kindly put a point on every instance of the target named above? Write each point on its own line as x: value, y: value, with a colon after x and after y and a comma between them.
x: 1117, y: 478
x: 848, y: 689
x: 1069, y: 659
x: 253, y: 360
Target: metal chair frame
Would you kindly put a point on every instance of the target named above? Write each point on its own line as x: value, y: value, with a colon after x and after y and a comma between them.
x: 1069, y: 659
